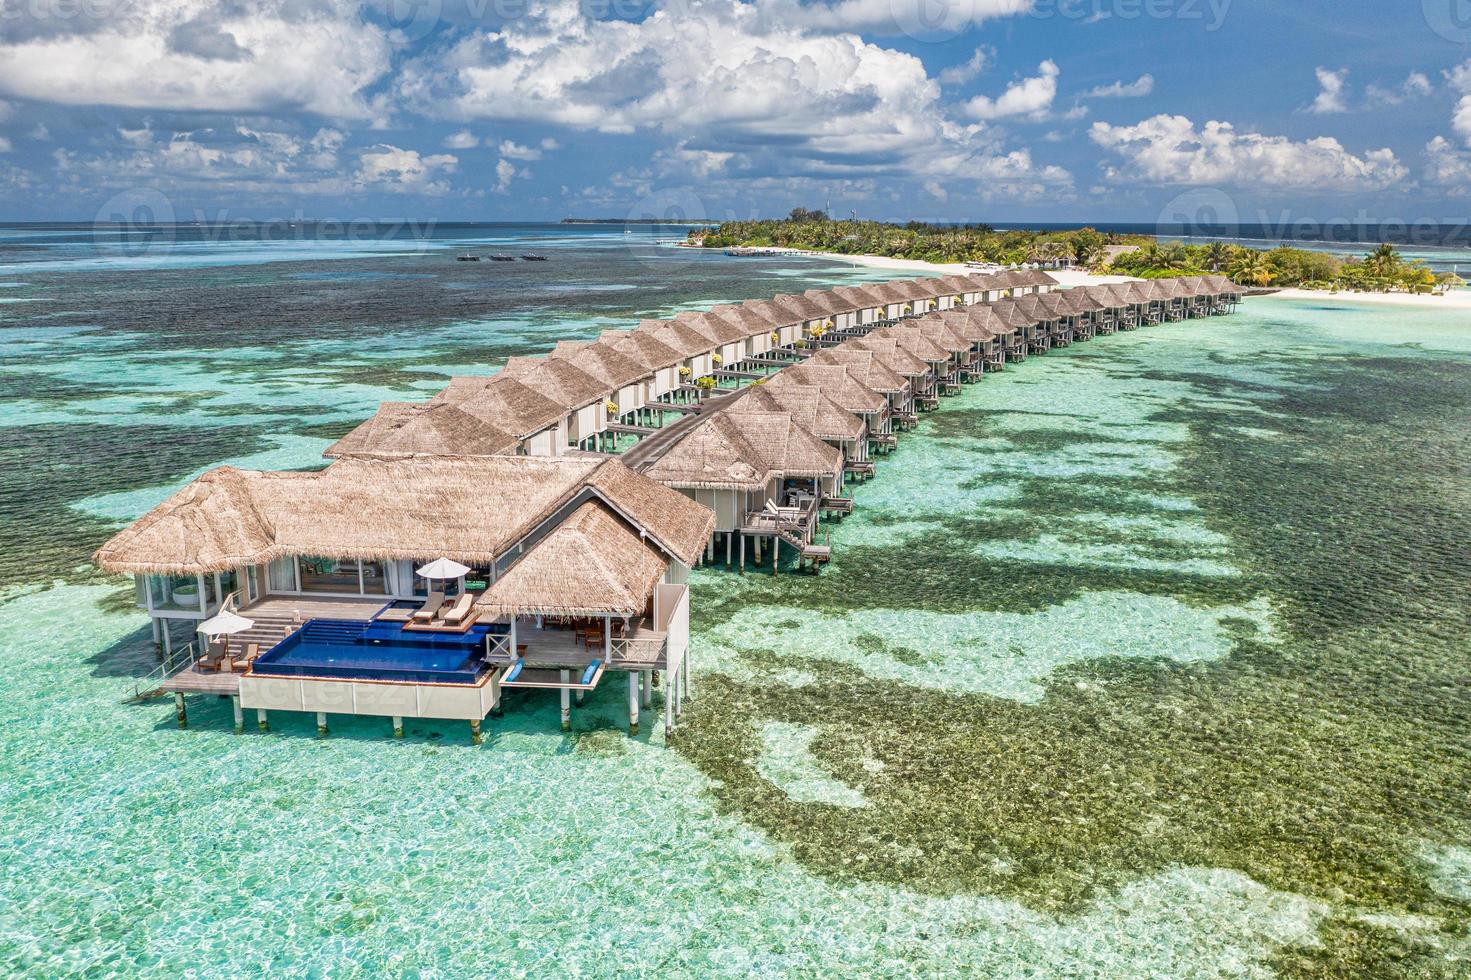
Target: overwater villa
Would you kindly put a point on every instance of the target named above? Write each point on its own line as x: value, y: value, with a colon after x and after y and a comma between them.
x: 766, y: 478
x: 418, y: 588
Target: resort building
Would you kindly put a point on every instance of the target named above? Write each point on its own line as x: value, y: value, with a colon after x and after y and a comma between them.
x: 420, y: 588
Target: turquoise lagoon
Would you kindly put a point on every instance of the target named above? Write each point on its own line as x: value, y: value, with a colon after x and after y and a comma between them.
x: 1146, y: 658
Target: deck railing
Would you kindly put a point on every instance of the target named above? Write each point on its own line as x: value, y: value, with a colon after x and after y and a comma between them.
x: 173, y: 662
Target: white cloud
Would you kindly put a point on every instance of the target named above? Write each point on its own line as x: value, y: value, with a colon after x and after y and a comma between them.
x: 726, y: 76
x: 463, y: 140
x: 387, y: 167
x: 978, y: 63
x: 1030, y: 97
x: 1330, y: 91
x: 1416, y: 86
x: 550, y: 144
x: 934, y: 189
x: 5, y: 146
x: 921, y: 19
x: 1448, y: 166
x: 1141, y: 86
x: 194, y: 55
x: 695, y: 163
x: 1460, y: 79
x: 1168, y: 149
x: 40, y: 133
x: 515, y: 151
x: 505, y: 170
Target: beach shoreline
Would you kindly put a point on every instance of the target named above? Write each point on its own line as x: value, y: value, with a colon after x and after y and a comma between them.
x: 1459, y: 299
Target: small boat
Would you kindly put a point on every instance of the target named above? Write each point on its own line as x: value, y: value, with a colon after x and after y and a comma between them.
x: 467, y: 257
x: 502, y: 258
x: 532, y: 257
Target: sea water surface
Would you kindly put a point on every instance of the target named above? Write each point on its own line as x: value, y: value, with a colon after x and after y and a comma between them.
x: 1144, y: 658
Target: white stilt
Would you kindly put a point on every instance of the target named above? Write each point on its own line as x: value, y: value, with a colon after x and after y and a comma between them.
x: 648, y: 684
x: 261, y: 720
x: 321, y: 723
x: 398, y: 726
x: 668, y: 708
x: 566, y: 702
x: 633, y: 682
x: 239, y: 714
x: 180, y: 715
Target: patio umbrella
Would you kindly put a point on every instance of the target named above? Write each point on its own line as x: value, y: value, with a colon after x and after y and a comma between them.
x: 225, y: 623
x: 443, y: 568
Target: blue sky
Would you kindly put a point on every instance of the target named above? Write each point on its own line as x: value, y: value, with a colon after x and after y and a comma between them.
x: 1004, y: 110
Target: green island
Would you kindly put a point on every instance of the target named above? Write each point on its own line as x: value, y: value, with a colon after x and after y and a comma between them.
x: 1381, y: 270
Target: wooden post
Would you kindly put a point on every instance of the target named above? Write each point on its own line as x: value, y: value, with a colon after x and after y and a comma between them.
x: 179, y: 713
x: 566, y: 702
x: 398, y: 726
x: 260, y: 720
x: 475, y: 731
x: 239, y: 715
x: 633, y: 678
x: 321, y: 724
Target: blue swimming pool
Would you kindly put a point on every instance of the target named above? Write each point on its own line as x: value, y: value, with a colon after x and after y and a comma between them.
x: 378, y: 651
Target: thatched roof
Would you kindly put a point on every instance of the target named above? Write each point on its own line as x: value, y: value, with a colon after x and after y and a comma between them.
x: 800, y: 305
x: 1014, y: 314
x: 604, y: 362
x: 558, y: 379
x: 1079, y: 300
x: 716, y: 329
x: 592, y: 564
x: 861, y: 297
x: 983, y: 281
x: 1036, y: 277
x: 778, y: 316
x: 808, y: 407
x: 503, y: 402
x: 828, y: 301
x: 744, y: 450
x: 678, y: 336
x: 864, y: 365
x: 643, y: 347
x: 404, y: 429
x: 836, y: 383
x: 914, y: 341
x: 888, y: 352
x: 940, y: 333
x: 956, y: 285
x: 973, y: 323
x: 469, y: 510
x: 887, y: 292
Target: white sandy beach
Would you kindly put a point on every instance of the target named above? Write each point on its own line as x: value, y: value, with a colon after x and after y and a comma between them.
x: 1459, y: 299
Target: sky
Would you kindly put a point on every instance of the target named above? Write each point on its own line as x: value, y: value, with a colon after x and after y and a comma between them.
x: 1172, y: 111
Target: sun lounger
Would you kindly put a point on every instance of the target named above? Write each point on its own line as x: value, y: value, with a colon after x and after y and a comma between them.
x: 430, y: 608
x: 213, y: 655
x: 456, y: 613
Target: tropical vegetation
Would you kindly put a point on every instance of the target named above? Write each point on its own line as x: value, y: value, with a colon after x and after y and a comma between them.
x: 816, y: 231
x: 1382, y: 270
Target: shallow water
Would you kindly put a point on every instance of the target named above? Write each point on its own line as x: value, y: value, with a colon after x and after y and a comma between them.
x: 1146, y: 657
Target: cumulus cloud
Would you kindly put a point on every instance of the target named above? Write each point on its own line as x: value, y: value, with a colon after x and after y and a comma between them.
x: 1167, y: 149
x: 915, y: 18
x: 1460, y: 80
x: 1416, y: 86
x: 1330, y: 91
x: 5, y: 146
x: 463, y: 140
x: 505, y: 171
x: 390, y: 168
x: 185, y: 55
x: 977, y: 64
x: 1030, y: 97
x: 1141, y: 86
x: 512, y: 150
x: 728, y: 77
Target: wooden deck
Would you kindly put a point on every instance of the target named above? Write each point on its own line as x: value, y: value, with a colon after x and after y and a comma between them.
x: 315, y: 607
x: 192, y: 680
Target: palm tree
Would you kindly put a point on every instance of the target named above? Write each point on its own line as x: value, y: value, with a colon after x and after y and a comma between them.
x: 1217, y: 254
x: 1251, y: 268
x: 1174, y: 257
x: 1384, y: 260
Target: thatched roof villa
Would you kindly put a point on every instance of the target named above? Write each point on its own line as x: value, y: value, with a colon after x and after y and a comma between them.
x: 324, y: 568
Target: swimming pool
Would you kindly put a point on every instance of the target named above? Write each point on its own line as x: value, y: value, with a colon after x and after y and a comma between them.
x: 377, y: 651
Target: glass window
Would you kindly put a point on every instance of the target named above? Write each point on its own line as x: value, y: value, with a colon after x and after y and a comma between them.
x: 282, y: 575
x: 375, y: 578
x: 178, y: 593
x: 329, y: 575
